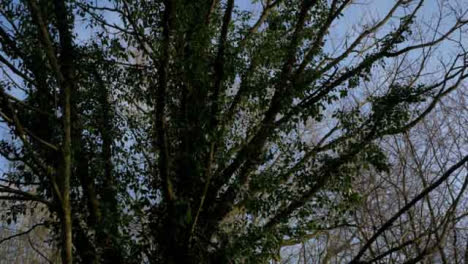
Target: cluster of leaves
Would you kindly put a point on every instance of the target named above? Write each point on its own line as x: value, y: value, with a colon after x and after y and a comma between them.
x: 189, y: 137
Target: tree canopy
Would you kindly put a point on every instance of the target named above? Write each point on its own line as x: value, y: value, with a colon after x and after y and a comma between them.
x: 209, y: 131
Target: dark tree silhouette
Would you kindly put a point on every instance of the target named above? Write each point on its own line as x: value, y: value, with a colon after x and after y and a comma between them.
x: 186, y: 131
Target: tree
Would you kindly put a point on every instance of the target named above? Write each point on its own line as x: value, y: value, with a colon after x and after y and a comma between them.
x: 431, y: 231
x: 182, y: 131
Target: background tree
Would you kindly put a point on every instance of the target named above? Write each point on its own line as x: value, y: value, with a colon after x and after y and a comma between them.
x: 433, y: 230
x: 182, y: 131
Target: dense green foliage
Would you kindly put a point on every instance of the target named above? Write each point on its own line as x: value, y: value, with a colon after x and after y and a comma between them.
x: 183, y: 131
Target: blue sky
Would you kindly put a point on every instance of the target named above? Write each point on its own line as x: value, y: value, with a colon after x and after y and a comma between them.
x: 364, y: 10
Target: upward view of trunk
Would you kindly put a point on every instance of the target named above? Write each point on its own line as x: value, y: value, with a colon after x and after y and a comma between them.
x: 64, y: 73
